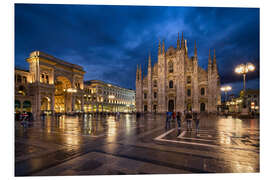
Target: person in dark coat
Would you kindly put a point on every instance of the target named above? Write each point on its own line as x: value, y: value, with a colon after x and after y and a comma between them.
x: 178, y: 118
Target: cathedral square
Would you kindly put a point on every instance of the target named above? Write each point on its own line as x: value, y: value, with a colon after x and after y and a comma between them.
x: 136, y: 90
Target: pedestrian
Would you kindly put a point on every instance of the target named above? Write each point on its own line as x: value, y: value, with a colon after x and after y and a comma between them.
x: 167, y: 120
x: 24, y: 122
x: 196, y: 119
x: 188, y: 119
x: 178, y: 117
x: 174, y: 116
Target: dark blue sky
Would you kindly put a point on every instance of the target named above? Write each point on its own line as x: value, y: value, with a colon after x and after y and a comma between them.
x: 109, y: 41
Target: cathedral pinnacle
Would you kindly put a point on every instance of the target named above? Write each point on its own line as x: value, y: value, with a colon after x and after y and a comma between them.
x: 163, y: 47
x: 182, y: 41
x: 149, y: 60
x: 209, y: 58
x: 159, y: 47
x: 178, y: 42
x: 195, y: 49
x: 214, y: 61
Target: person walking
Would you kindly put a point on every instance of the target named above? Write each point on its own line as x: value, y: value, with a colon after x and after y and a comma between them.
x: 196, y: 119
x: 178, y: 117
x: 188, y: 119
x: 167, y: 120
x: 173, y: 116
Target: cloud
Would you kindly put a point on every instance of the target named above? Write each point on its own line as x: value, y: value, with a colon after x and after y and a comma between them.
x: 109, y: 41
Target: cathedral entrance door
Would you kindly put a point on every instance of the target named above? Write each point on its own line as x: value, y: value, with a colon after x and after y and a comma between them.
x: 171, y: 106
x: 189, y: 107
x: 202, y: 107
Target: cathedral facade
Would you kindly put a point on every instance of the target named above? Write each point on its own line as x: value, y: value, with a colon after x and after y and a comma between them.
x: 177, y: 83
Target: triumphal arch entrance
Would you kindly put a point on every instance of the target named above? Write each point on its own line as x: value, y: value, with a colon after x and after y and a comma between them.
x: 56, y: 85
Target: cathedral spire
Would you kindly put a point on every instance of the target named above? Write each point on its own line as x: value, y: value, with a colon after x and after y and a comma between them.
x: 209, y: 58
x: 149, y: 60
x: 214, y: 61
x: 195, y: 49
x: 182, y: 41
x: 214, y: 58
x: 159, y: 47
x: 140, y: 72
x: 178, y: 42
x: 163, y: 47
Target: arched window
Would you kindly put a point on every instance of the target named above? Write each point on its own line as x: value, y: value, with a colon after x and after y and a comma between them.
x: 189, y: 79
x: 170, y: 64
x: 202, y: 91
x: 24, y: 79
x: 171, y: 84
x: 155, y: 95
x: 19, y: 79
x: 155, y: 83
x: 188, y: 92
x: 145, y: 108
x: 42, y: 78
x: 47, y: 78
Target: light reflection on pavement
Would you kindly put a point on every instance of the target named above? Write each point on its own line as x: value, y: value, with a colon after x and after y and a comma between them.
x: 56, y: 146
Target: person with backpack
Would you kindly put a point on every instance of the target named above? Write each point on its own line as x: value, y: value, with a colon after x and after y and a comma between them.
x: 196, y: 119
x: 167, y: 120
x: 188, y: 119
x: 178, y: 118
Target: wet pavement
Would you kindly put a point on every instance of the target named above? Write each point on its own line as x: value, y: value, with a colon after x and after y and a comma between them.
x: 104, y: 145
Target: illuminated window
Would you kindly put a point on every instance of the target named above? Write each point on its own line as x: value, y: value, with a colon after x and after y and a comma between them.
x: 47, y: 78
x: 24, y: 80
x: 189, y: 79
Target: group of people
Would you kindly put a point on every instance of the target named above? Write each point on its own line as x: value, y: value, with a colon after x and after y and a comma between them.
x: 26, y: 118
x: 188, y: 115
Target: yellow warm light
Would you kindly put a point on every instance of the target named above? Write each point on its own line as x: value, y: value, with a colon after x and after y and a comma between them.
x: 226, y: 88
x: 111, y: 96
x: 243, y: 69
x: 71, y: 90
x: 250, y: 67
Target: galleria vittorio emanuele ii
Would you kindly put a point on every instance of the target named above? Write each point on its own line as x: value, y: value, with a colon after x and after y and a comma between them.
x: 53, y: 85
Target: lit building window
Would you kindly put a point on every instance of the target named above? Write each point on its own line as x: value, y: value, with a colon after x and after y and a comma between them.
x: 24, y: 80
x: 189, y: 79
x: 47, y: 79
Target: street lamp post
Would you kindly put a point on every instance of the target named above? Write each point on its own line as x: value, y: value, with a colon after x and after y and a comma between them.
x: 244, y: 69
x: 225, y: 89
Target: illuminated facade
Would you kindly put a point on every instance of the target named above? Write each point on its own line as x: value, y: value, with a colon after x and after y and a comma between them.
x: 177, y: 83
x: 103, y: 97
x: 54, y: 85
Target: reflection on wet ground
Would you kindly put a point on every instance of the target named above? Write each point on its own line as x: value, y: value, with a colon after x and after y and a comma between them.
x: 89, y: 144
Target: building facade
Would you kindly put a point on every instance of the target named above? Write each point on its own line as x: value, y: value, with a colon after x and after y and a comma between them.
x: 55, y: 85
x: 252, y: 100
x: 177, y: 83
x: 105, y: 97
